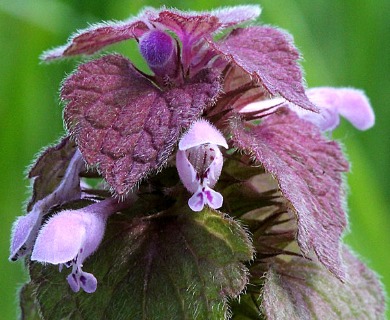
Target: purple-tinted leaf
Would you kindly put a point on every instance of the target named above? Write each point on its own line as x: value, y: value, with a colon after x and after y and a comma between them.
x: 309, y: 170
x: 169, y: 266
x: 125, y: 124
x: 49, y: 169
x: 192, y: 27
x: 232, y: 16
x: 189, y: 26
x: 301, y: 289
x: 268, y: 55
x: 98, y: 36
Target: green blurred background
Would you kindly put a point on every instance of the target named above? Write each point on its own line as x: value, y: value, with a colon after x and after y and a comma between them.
x: 344, y: 43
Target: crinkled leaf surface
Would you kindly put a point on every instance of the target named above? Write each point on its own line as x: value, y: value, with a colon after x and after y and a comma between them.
x: 309, y: 170
x: 171, y: 267
x: 301, y: 289
x: 191, y: 26
x: 125, y: 124
x: 49, y: 169
x: 268, y: 55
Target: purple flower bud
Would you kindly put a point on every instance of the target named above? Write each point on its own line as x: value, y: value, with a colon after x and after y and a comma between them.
x: 199, y: 164
x: 159, y: 50
x: 71, y: 236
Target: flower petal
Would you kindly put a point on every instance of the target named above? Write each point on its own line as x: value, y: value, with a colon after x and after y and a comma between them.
x: 328, y: 117
x: 88, y: 282
x: 61, y: 238
x: 73, y: 282
x: 263, y: 105
x: 215, y: 168
x: 267, y: 55
x: 197, y: 201
x: 49, y: 189
x: 85, y: 280
x: 213, y: 198
x: 202, y: 132
x: 356, y: 108
x: 350, y: 103
x: 23, y: 228
x: 186, y: 172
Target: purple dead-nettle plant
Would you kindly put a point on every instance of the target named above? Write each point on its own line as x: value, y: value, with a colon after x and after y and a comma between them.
x: 222, y: 121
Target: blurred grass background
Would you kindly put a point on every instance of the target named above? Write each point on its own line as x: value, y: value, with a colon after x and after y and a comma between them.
x: 344, y: 43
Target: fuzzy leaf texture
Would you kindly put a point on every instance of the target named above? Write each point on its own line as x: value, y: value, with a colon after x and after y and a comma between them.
x: 195, y: 24
x: 125, y: 124
x: 49, y: 169
x: 269, y: 56
x: 302, y: 290
x: 28, y: 307
x: 309, y: 171
x: 182, y: 267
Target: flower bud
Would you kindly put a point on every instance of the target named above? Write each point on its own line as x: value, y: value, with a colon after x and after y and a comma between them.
x: 159, y: 50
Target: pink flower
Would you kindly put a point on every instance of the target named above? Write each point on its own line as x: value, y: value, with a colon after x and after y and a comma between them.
x: 71, y: 236
x: 25, y: 228
x: 199, y: 163
x: 350, y: 103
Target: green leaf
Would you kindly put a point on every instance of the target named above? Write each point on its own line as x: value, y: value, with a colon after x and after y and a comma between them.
x: 182, y: 266
x: 28, y: 308
x: 247, y: 307
x: 303, y: 289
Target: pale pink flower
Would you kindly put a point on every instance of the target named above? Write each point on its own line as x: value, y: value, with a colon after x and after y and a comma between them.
x: 199, y: 163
